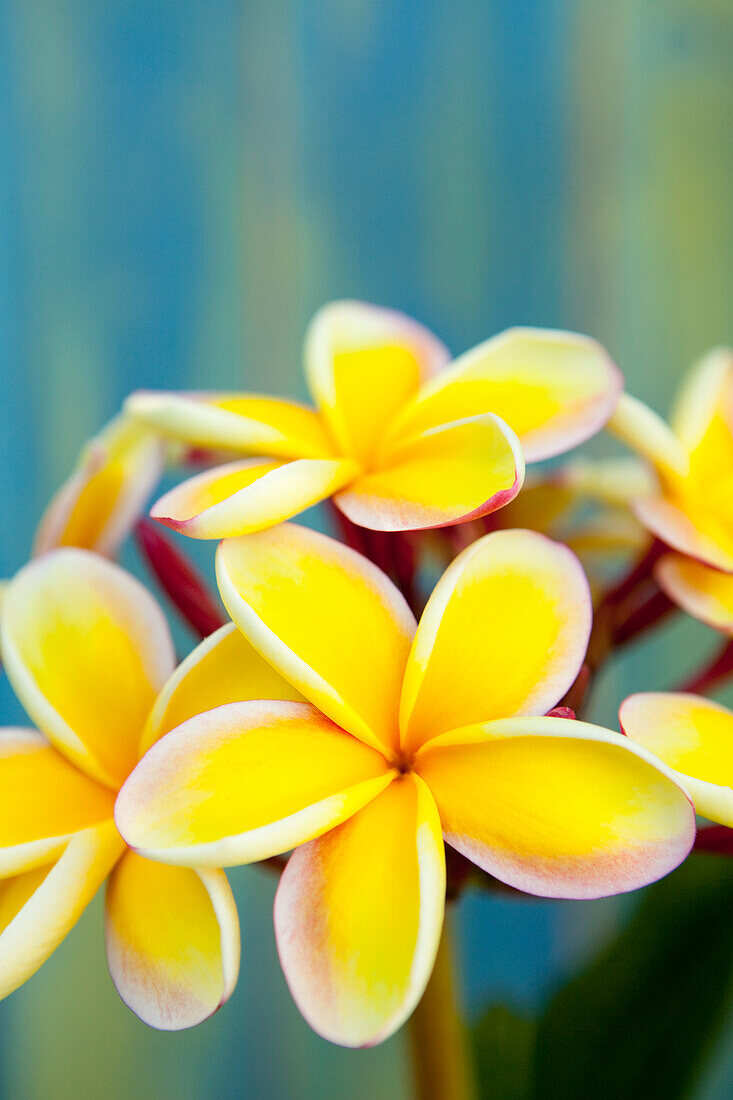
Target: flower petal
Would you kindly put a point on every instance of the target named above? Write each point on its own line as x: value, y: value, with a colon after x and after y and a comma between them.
x: 327, y: 619
x: 640, y: 428
x: 504, y: 632
x: 172, y: 937
x: 244, y: 782
x: 38, y: 908
x: 97, y: 506
x: 86, y: 649
x: 447, y: 475
x: 698, y: 589
x: 43, y: 800
x: 558, y: 808
x: 242, y: 497
x: 703, y: 416
x: 694, y: 531
x: 243, y: 423
x: 358, y: 917
x: 362, y: 364
x: 224, y: 668
x: 692, y: 735
x: 554, y: 389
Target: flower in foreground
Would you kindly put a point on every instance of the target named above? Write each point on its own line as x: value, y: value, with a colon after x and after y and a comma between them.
x: 400, y: 439
x: 88, y: 651
x: 693, y: 511
x: 694, y: 737
x: 406, y: 734
x: 97, y: 506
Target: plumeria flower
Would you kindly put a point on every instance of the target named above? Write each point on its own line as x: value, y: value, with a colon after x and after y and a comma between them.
x: 399, y: 438
x: 694, y: 736
x: 96, y: 508
x: 89, y: 654
x: 693, y: 511
x: 405, y: 734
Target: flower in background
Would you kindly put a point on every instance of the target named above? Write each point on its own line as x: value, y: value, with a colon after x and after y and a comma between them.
x: 693, y: 511
x: 96, y: 508
x: 693, y: 736
x: 88, y: 651
x: 585, y: 504
x: 400, y: 439
x: 407, y: 733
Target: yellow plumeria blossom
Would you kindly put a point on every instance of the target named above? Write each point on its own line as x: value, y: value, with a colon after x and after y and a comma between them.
x: 694, y: 736
x: 99, y: 503
x: 406, y: 734
x: 89, y: 654
x: 693, y: 512
x: 400, y: 439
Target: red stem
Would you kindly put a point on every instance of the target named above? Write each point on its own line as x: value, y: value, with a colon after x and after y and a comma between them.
x: 179, y: 579
x: 718, y: 669
x: 653, y: 609
x: 716, y: 838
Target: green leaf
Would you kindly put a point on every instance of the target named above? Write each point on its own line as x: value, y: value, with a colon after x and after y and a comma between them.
x: 642, y: 1018
x: 503, y: 1045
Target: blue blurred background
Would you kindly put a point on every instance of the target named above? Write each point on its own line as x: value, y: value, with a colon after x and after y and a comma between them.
x: 182, y: 184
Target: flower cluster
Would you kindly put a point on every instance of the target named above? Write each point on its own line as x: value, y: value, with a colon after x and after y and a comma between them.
x: 371, y: 702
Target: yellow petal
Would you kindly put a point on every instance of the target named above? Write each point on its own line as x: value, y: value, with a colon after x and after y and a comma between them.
x: 172, y: 937
x: 97, y: 506
x: 362, y: 364
x: 692, y: 735
x: 243, y: 423
x: 640, y: 428
x: 450, y: 474
x: 554, y: 389
x: 698, y: 589
x: 245, y: 782
x: 43, y: 800
x: 358, y: 916
x: 504, y: 633
x: 694, y: 530
x: 703, y: 415
x: 558, y: 808
x: 242, y: 497
x: 327, y: 619
x: 38, y: 908
x: 224, y: 668
x: 87, y: 649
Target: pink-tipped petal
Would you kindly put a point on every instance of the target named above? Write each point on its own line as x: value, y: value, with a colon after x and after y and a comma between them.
x: 358, y: 917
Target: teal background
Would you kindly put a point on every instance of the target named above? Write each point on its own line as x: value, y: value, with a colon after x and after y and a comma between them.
x: 182, y: 184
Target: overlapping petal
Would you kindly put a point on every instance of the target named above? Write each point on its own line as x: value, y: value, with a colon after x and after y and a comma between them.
x: 558, y: 808
x: 243, y: 423
x: 697, y: 588
x: 43, y: 800
x: 554, y: 389
x: 172, y: 937
x: 358, y: 916
x: 224, y: 668
x: 241, y: 497
x: 246, y: 781
x: 98, y: 504
x: 504, y: 633
x: 363, y: 363
x: 87, y: 650
x: 694, y: 736
x: 690, y: 528
x: 449, y: 474
x: 703, y: 416
x: 39, y: 907
x: 327, y: 619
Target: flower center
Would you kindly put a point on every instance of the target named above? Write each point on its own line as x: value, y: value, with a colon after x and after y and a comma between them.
x: 403, y: 761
